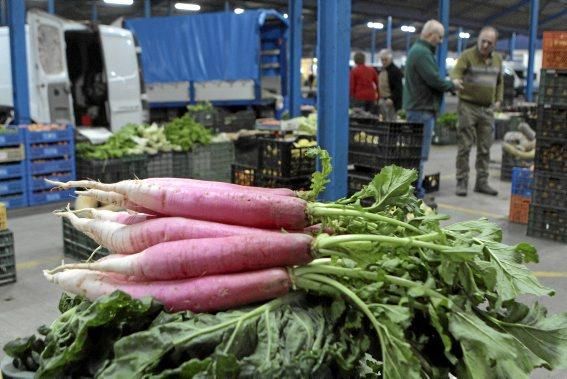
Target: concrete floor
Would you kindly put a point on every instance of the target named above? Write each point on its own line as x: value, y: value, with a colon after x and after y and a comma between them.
x: 32, y: 301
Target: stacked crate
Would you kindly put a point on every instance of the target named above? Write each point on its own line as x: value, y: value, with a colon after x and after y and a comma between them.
x: 548, y: 212
x: 113, y: 170
x: 522, y: 183
x: 79, y: 246
x: 7, y: 258
x: 12, y: 168
x: 282, y: 162
x: 375, y: 144
x: 50, y: 154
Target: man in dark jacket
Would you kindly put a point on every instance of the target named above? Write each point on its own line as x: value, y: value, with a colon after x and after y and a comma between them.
x: 424, y: 87
x: 390, y: 86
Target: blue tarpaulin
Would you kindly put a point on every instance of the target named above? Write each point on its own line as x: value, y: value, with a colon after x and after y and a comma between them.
x: 211, y: 46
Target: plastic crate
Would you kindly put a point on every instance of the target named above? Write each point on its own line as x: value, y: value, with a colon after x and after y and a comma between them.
x: 7, y: 258
x: 10, y: 186
x: 12, y: 170
x: 35, y: 137
x: 431, y: 182
x: 376, y: 163
x: 284, y: 158
x: 551, y: 122
x: 15, y: 200
x: 235, y: 121
x: 522, y: 181
x: 508, y: 164
x: 160, y: 165
x: 551, y: 155
x: 12, y: 154
x: 47, y: 166
x: 550, y: 189
x: 552, y: 88
x: 519, y: 209
x: 387, y: 139
x: 50, y: 196
x: 113, y: 170
x: 212, y: 161
x: 547, y: 222
x: 37, y: 182
x: 59, y: 149
x: 554, y: 52
x: 11, y: 136
x: 3, y: 217
x: 207, y: 118
x: 79, y: 246
x: 243, y: 175
x: 301, y: 183
x: 246, y: 150
x: 180, y: 165
x: 357, y: 180
x: 444, y: 136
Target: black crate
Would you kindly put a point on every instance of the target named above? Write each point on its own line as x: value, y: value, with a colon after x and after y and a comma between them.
x: 246, y: 151
x: 232, y: 122
x: 181, y: 165
x: 431, y: 182
x: 547, y: 222
x: 357, y: 180
x: 509, y: 162
x: 7, y: 258
x: 160, y: 165
x: 301, y: 183
x: 550, y: 189
x: 552, y: 122
x: 443, y: 135
x: 208, y: 118
x: 284, y: 158
x: 552, y: 87
x: 501, y: 127
x: 243, y: 175
x: 77, y: 245
x: 113, y: 170
x: 387, y: 139
x: 551, y: 155
x: 376, y: 163
x: 212, y: 161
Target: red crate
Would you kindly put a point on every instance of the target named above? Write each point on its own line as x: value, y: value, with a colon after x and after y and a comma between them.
x: 554, y: 50
x: 519, y: 209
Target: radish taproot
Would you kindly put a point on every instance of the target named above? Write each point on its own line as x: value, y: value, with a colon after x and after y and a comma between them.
x: 204, y: 294
x: 130, y: 239
x: 121, y: 217
x: 191, y: 258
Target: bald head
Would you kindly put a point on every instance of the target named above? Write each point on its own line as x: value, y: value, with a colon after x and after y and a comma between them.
x: 433, y: 32
x: 487, y: 40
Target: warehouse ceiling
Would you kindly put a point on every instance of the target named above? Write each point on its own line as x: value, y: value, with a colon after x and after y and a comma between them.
x: 506, y: 15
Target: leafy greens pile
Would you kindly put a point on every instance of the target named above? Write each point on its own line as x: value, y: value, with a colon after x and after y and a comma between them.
x: 400, y: 296
x: 184, y: 131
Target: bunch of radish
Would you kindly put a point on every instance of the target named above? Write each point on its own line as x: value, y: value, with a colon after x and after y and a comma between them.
x: 198, y: 245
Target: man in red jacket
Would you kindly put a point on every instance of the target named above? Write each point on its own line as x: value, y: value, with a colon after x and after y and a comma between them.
x: 363, y: 84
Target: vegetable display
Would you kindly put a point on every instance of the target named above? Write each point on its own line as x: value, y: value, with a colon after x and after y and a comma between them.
x: 184, y: 131
x: 336, y: 289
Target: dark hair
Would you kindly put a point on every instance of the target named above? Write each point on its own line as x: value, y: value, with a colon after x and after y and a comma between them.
x: 359, y: 58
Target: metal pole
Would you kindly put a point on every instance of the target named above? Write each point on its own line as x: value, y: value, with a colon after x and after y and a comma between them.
x: 389, y: 33
x: 94, y: 12
x: 2, y: 13
x: 459, y: 41
x: 444, y: 46
x: 51, y: 6
x: 512, y: 46
x: 408, y: 41
x: 534, y: 13
x: 333, y: 33
x: 169, y: 11
x: 295, y: 49
x: 226, y: 6
x: 17, y: 25
x: 147, y: 8
x: 372, y: 45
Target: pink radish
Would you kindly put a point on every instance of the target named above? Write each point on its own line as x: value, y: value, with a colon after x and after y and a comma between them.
x: 206, y: 256
x: 129, y: 239
x: 219, y: 186
x: 122, y: 217
x: 239, y: 208
x: 204, y: 294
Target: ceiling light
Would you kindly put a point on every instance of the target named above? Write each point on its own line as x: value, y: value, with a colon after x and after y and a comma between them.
x: 314, y: 60
x: 464, y: 35
x: 285, y: 15
x: 408, y: 28
x: 119, y: 2
x: 375, y: 25
x: 187, y: 7
x: 238, y: 10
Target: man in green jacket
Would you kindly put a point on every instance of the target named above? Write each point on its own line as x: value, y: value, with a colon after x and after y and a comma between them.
x: 424, y: 87
x: 480, y: 69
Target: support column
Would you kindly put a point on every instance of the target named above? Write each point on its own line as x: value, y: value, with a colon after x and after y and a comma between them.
x: 333, y: 33
x: 51, y: 6
x: 408, y: 41
x: 17, y: 25
x: 372, y: 45
x: 147, y: 8
x: 2, y: 13
x: 94, y: 12
x: 534, y: 13
x: 389, y: 33
x: 512, y: 46
x: 226, y: 6
x: 459, y: 41
x: 444, y: 46
x: 295, y: 51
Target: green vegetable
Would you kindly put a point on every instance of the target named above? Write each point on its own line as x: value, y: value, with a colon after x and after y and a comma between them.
x: 448, y: 120
x: 186, y: 132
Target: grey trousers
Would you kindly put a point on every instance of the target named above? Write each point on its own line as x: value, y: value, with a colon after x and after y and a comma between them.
x: 387, y: 111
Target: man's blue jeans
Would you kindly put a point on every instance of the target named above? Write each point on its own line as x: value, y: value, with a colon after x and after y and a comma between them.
x: 428, y: 121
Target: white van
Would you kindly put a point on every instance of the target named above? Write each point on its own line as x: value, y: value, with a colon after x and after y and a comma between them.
x: 77, y: 73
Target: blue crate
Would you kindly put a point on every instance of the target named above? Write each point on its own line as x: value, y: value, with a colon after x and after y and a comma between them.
x: 51, y: 151
x: 15, y: 200
x: 38, y: 183
x: 12, y: 170
x: 522, y: 181
x: 57, y: 165
x: 12, y: 186
x: 15, y: 136
x: 44, y: 197
x: 67, y: 134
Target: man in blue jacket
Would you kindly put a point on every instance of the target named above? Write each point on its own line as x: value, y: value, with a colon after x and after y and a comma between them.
x: 424, y: 87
